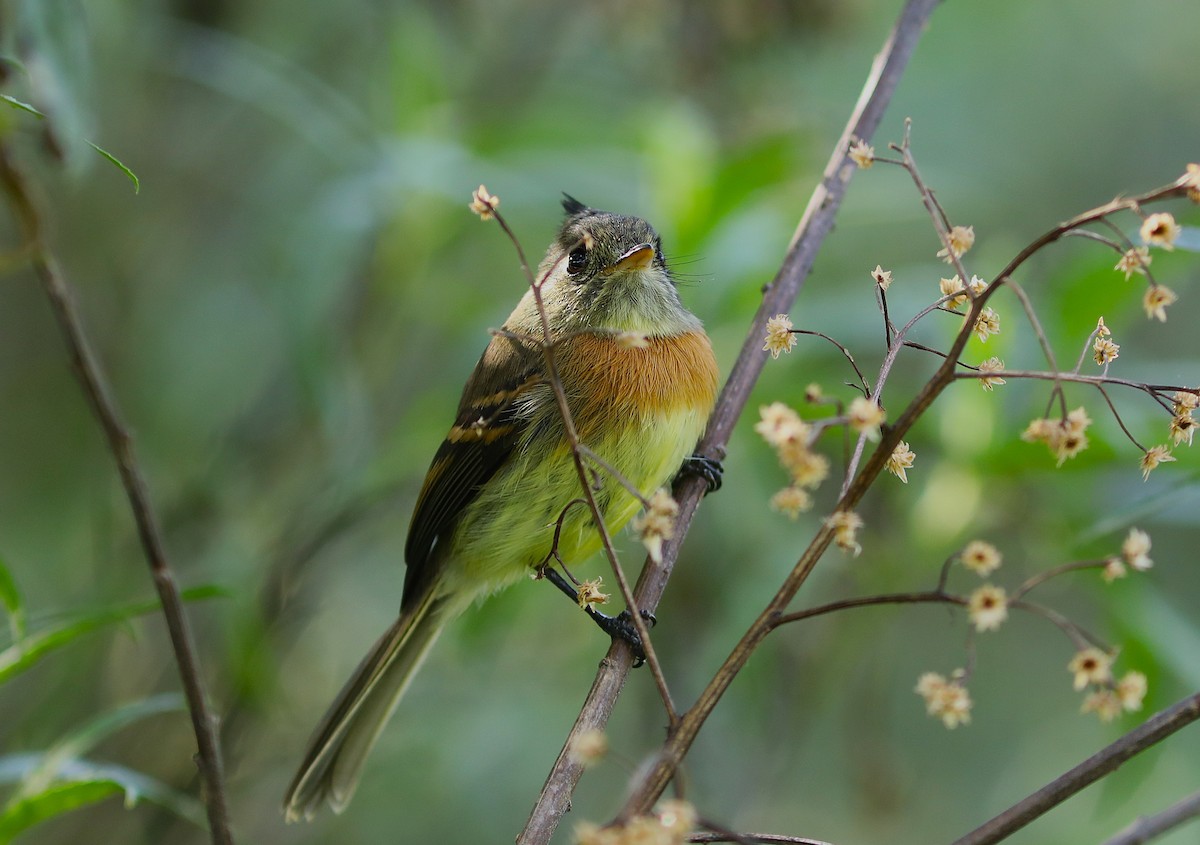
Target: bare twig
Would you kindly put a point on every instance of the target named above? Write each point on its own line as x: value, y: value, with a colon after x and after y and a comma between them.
x: 1150, y: 732
x: 755, y: 838
x: 1043, y: 577
x: 845, y: 353
x: 91, y: 379
x: 1145, y: 828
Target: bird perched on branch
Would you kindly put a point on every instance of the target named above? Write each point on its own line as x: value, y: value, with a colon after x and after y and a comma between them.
x: 640, y: 381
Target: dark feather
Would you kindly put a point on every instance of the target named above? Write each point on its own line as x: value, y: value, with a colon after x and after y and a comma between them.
x: 573, y: 206
x: 486, y: 429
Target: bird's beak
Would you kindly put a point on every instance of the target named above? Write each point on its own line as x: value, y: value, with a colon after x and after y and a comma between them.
x: 638, y: 258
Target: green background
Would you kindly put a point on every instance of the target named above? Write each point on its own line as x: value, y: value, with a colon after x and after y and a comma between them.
x: 289, y: 307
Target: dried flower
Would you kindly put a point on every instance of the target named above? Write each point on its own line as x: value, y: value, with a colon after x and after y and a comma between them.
x: 1156, y: 300
x: 991, y: 365
x: 657, y: 523
x: 779, y: 424
x: 589, y: 747
x: 791, y: 501
x: 590, y: 833
x: 1114, y: 568
x: 1160, y: 230
x: 988, y: 324
x: 483, y: 203
x: 813, y: 394
x: 1192, y: 182
x: 1064, y: 438
x: 866, y: 417
x: 1154, y: 456
x: 952, y: 285
x: 845, y: 525
x: 1185, y: 401
x: 946, y: 699
x: 808, y: 468
x: 1090, y: 666
x: 961, y: 239
x: 980, y: 557
x: 779, y: 335
x: 862, y: 154
x: 987, y: 607
x: 901, y: 459
x: 882, y: 277
x: 1136, y: 550
x: 1104, y: 703
x: 1134, y: 260
x: 1105, y: 351
x: 1182, y: 427
x: 678, y: 819
x: 589, y: 593
x: 1131, y: 689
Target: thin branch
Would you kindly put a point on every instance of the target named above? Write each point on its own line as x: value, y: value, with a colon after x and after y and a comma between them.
x: 1145, y: 828
x: 1043, y: 577
x: 1031, y: 315
x: 755, y: 838
x: 941, y: 223
x: 91, y: 379
x: 1150, y: 732
x: 1081, y: 637
x: 778, y: 297
x: 845, y: 353
x: 923, y: 597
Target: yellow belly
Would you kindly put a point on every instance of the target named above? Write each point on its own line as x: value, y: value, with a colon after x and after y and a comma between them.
x: 510, y: 528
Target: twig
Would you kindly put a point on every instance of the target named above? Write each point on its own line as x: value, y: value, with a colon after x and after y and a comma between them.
x: 1145, y: 828
x: 1152, y: 731
x: 778, y: 297
x: 924, y: 597
x: 91, y: 379
x: 1043, y: 577
x: 845, y: 353
x: 941, y: 223
x: 755, y: 838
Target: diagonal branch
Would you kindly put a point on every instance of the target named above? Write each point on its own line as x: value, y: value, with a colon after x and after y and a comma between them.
x: 1153, y: 730
x: 91, y: 379
x: 1145, y: 828
x: 778, y: 296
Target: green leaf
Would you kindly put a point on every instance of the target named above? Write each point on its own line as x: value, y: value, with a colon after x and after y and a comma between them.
x: 61, y: 798
x: 80, y: 783
x: 10, y: 597
x: 29, y: 650
x: 59, y: 780
x: 82, y: 740
x: 120, y: 165
x: 23, y: 106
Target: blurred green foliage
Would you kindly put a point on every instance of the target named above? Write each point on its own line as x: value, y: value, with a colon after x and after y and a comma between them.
x: 289, y: 307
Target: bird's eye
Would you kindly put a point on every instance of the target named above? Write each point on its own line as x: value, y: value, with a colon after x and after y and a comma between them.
x: 577, y: 260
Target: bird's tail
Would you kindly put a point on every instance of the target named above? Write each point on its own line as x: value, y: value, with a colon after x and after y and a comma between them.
x: 340, y: 744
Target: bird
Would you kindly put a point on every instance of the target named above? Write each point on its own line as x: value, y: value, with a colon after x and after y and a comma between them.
x: 640, y: 380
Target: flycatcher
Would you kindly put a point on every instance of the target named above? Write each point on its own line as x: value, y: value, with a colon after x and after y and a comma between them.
x: 503, y: 480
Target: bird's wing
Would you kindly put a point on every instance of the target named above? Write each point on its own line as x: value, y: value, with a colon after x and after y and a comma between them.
x: 488, y: 426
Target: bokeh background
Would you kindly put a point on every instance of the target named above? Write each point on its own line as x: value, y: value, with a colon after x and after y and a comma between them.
x: 289, y: 307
